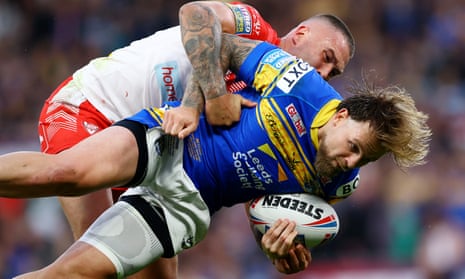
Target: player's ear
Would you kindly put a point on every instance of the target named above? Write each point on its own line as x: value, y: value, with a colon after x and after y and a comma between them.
x: 302, y: 29
x: 300, y: 34
x: 341, y: 115
x: 343, y: 112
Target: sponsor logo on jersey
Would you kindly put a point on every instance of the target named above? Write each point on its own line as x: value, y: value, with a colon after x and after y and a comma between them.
x: 169, y: 81
x: 277, y: 58
x: 243, y: 20
x: 90, y: 128
x: 296, y: 120
x: 285, y: 141
x: 348, y: 188
x: 187, y: 242
x: 256, y: 26
x: 295, y: 72
x: 250, y: 170
x: 274, y: 128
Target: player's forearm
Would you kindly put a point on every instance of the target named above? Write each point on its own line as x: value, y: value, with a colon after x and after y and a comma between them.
x: 35, y: 174
x: 201, y: 36
x: 193, y: 95
x: 28, y: 175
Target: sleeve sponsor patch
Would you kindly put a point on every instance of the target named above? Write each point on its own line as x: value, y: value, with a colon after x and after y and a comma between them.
x: 243, y: 19
x: 277, y: 58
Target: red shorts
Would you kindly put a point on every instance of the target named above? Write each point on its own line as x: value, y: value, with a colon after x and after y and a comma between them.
x: 62, y: 125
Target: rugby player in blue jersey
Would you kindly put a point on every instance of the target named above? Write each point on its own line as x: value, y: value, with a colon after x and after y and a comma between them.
x: 301, y: 137
x: 155, y: 69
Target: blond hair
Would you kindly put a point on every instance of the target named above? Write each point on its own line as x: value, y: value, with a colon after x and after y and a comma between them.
x: 400, y: 129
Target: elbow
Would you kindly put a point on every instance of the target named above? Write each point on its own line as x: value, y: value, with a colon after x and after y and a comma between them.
x: 189, y: 8
x: 193, y: 13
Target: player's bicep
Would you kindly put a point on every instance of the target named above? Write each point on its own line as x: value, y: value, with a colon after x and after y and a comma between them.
x: 106, y: 159
x: 234, y: 51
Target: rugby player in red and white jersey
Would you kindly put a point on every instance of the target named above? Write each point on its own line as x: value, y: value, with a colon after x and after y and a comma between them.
x: 155, y: 69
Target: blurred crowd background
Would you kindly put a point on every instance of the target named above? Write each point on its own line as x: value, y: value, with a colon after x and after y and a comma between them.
x: 404, y: 224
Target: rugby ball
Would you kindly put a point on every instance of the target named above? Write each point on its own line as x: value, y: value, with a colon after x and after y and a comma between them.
x: 317, y: 221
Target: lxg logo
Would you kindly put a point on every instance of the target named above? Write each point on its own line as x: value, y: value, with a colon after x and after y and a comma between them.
x: 293, y: 75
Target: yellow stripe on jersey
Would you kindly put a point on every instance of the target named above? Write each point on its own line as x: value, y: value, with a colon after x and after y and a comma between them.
x: 157, y: 114
x: 264, y: 76
x: 265, y: 148
x: 293, y: 135
x: 285, y: 141
x: 322, y: 117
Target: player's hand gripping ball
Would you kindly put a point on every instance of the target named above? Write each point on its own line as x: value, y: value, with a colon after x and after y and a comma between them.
x: 317, y: 221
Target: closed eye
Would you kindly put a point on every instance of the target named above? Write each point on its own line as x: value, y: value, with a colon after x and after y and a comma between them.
x: 354, y: 147
x: 330, y: 58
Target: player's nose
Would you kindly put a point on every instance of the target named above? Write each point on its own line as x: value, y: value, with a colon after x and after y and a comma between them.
x: 353, y: 161
x: 324, y: 71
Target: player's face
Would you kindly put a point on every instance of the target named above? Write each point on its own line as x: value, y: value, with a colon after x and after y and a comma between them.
x: 322, y: 46
x: 344, y: 146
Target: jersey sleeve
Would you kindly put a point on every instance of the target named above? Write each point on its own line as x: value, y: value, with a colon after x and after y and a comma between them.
x: 250, y: 24
x: 263, y: 65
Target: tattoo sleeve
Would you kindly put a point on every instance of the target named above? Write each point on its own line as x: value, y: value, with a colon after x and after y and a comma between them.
x: 201, y: 36
x: 210, y: 52
x: 234, y: 50
x: 193, y: 95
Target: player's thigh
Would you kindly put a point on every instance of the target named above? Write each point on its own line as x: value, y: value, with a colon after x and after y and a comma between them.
x: 82, y: 211
x: 163, y: 268
x: 81, y: 260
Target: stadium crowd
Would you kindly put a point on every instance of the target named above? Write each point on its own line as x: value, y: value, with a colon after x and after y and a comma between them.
x: 409, y: 222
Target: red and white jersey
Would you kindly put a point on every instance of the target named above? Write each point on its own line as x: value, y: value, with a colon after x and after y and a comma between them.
x: 154, y: 69
x: 144, y: 74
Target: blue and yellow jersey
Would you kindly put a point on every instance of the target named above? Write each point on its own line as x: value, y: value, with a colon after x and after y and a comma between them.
x: 272, y: 149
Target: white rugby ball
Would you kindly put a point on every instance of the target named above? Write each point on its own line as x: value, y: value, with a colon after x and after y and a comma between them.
x: 317, y: 221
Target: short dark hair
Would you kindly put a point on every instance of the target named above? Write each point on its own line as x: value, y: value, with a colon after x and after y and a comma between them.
x: 342, y: 27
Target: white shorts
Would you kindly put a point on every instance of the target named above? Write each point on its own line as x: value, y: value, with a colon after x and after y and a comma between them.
x: 158, y: 219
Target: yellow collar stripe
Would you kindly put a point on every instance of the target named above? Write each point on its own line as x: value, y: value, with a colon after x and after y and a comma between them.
x: 322, y: 117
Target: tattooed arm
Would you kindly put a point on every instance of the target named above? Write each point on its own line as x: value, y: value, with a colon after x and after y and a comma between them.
x: 202, y: 24
x: 201, y: 35
x: 183, y: 120
x: 201, y: 31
